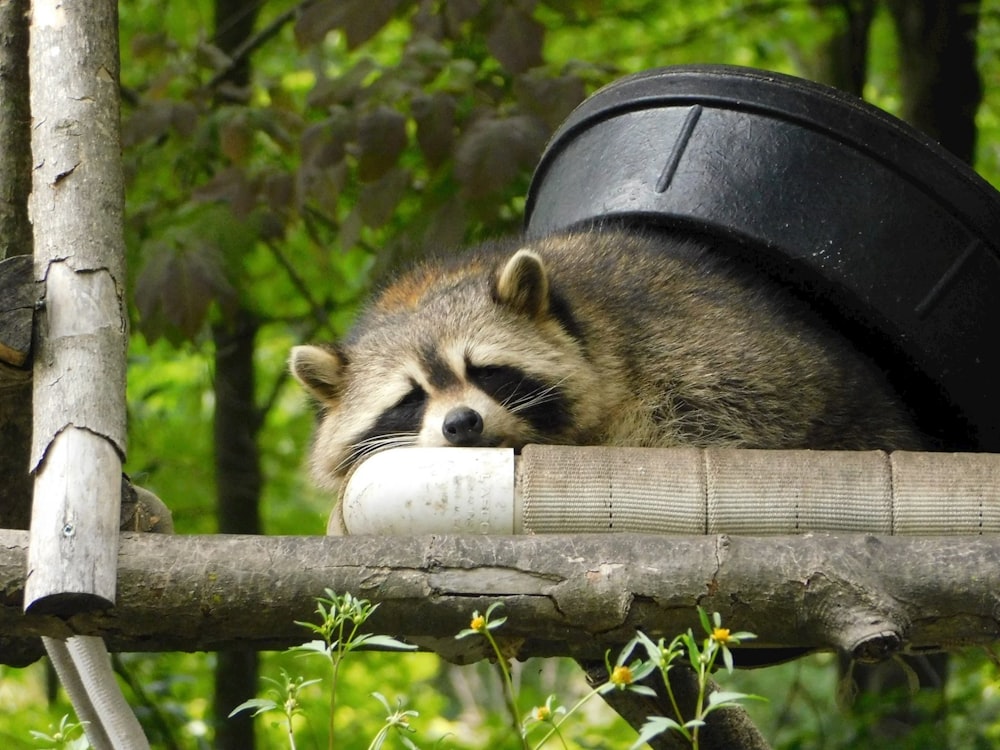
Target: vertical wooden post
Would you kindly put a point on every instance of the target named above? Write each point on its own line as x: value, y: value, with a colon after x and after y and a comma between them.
x: 78, y: 440
x: 76, y: 210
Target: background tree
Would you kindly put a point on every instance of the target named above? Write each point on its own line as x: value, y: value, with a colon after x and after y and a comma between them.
x: 237, y: 419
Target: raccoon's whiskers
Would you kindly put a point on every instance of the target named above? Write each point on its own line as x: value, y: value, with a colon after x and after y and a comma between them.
x: 366, y: 447
x: 517, y: 402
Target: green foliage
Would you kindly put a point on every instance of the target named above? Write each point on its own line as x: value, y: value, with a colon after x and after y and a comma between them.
x: 340, y: 617
x: 702, y: 659
x: 68, y: 735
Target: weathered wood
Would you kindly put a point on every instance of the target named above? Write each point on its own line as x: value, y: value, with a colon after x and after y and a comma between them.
x: 15, y: 130
x: 76, y: 206
x: 15, y: 447
x: 571, y: 595
x: 16, y: 278
x: 18, y: 295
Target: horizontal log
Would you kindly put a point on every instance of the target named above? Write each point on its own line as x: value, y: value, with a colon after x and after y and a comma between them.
x: 572, y: 595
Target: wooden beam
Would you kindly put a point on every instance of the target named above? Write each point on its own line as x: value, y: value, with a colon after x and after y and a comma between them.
x: 573, y: 595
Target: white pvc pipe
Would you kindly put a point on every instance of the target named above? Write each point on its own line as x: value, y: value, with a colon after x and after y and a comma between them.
x: 562, y: 489
x: 432, y: 490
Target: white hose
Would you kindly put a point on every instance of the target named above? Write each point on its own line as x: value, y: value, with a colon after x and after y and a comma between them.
x: 84, y: 669
x: 562, y: 489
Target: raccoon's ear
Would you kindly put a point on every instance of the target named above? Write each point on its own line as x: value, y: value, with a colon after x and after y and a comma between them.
x: 523, y: 284
x: 319, y: 369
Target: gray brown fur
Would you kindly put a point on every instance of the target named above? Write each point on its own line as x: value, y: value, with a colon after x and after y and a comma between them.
x: 652, y: 341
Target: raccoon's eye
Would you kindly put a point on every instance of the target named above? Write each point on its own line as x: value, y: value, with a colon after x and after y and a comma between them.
x: 499, y: 381
x: 402, y: 418
x: 414, y: 398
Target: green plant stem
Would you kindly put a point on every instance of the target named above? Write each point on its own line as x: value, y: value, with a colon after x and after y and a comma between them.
x: 556, y: 724
x: 704, y: 668
x: 336, y: 656
x: 508, y: 683
x: 291, y: 733
x: 331, y: 725
x: 673, y: 699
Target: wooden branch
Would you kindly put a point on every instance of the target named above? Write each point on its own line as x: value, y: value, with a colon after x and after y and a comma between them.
x: 569, y: 595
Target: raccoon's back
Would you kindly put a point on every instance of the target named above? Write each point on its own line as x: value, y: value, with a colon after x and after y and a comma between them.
x: 713, y: 355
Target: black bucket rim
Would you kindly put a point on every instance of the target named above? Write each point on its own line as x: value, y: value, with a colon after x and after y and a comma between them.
x: 824, y: 109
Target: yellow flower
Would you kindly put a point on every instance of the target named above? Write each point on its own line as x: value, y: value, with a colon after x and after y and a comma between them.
x: 479, y: 623
x: 720, y: 635
x: 542, y: 713
x: 621, y: 676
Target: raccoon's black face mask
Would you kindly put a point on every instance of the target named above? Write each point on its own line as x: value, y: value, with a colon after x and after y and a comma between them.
x: 538, y: 406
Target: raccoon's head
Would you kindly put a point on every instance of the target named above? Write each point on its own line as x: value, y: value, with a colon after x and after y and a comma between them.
x: 472, y: 355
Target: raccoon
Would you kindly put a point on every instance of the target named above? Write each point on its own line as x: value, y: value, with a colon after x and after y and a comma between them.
x: 608, y: 337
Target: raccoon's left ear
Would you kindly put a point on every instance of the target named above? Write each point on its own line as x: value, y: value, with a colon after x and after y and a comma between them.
x: 523, y: 284
x: 319, y: 369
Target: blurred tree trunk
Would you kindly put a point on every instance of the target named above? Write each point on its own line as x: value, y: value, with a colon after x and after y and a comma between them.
x: 842, y: 61
x: 939, y: 76
x: 237, y: 423
x: 238, y: 480
x: 15, y: 130
x: 15, y: 239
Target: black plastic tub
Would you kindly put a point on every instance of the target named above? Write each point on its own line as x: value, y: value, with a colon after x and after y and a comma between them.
x: 891, y: 235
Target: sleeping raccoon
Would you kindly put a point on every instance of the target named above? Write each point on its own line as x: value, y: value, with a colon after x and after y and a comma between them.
x: 591, y: 338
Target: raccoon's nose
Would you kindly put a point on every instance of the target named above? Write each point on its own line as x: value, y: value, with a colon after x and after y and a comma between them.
x: 462, y: 426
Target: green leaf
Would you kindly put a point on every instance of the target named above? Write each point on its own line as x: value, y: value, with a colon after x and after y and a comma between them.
x: 642, y: 690
x: 655, y: 726
x: 381, y: 140
x: 314, y: 647
x: 493, y: 152
x: 721, y: 696
x: 360, y: 20
x: 384, y: 641
x: 176, y: 287
x: 705, y: 623
x: 516, y: 40
x: 379, y: 199
x: 435, y: 118
x: 260, y: 704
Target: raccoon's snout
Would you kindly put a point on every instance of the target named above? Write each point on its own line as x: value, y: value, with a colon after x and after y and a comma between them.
x: 462, y: 426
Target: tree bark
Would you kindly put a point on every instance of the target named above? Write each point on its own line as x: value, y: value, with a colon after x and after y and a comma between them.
x: 572, y: 595
x: 939, y: 74
x: 16, y: 276
x: 18, y: 295
x: 15, y: 130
